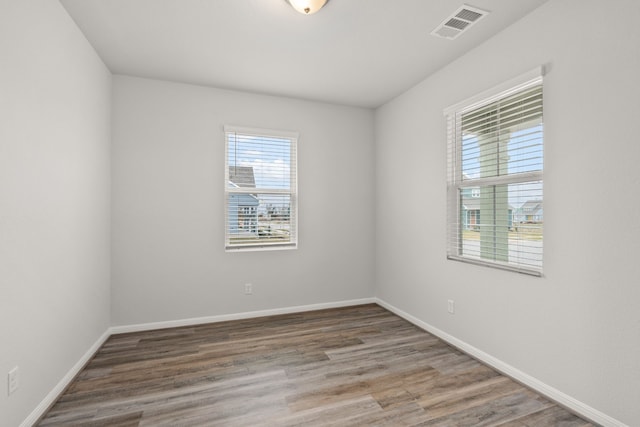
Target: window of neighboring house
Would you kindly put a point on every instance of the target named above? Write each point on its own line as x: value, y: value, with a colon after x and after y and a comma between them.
x: 494, y: 183
x: 260, y: 189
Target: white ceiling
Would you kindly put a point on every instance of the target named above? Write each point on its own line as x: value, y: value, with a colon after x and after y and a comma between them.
x: 352, y: 52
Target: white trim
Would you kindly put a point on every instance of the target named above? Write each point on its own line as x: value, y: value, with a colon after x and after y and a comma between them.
x: 237, y: 316
x: 512, y: 178
x: 254, y: 190
x: 514, y: 85
x: 457, y: 181
x: 292, y: 192
x: 554, y: 394
x: 55, y: 393
x: 496, y: 264
x: 537, y: 385
x: 262, y: 247
x: 274, y: 133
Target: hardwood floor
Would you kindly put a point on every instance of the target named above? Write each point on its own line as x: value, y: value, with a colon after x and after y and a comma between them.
x: 340, y: 367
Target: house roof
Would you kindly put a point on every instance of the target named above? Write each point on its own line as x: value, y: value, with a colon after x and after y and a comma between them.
x: 531, y: 206
x: 242, y: 176
x: 473, y: 203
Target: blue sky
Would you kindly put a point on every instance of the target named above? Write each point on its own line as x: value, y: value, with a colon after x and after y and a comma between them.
x: 269, y: 157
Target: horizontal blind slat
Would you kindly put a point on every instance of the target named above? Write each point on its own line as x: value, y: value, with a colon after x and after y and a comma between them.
x: 260, y: 189
x: 494, y: 169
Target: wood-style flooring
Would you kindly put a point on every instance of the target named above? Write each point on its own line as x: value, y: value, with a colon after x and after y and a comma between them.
x: 354, y: 366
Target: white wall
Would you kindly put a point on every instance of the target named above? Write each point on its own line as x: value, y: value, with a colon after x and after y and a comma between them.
x: 54, y: 200
x: 169, y: 261
x: 578, y: 328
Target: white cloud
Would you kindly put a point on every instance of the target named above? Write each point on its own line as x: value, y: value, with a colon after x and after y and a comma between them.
x: 273, y: 174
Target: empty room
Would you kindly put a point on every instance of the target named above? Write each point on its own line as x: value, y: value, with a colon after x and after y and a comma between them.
x: 311, y: 212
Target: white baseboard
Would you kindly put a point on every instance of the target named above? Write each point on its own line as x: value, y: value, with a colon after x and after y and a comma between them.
x: 53, y: 395
x: 236, y: 316
x: 556, y: 395
x: 537, y: 385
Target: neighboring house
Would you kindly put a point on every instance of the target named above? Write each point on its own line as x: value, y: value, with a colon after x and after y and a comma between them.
x: 471, y: 214
x: 471, y: 210
x: 243, y: 208
x: 530, y: 211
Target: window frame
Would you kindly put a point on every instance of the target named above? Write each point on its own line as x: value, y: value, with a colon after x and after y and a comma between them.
x: 456, y: 183
x: 292, y: 192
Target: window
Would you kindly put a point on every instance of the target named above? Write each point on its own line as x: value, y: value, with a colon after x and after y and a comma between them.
x: 494, y: 183
x: 260, y: 189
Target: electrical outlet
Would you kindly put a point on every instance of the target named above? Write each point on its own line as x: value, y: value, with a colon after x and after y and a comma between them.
x: 14, y: 380
x: 451, y: 306
x: 248, y: 288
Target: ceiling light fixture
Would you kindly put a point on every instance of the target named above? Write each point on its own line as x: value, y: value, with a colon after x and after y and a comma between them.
x: 307, y: 7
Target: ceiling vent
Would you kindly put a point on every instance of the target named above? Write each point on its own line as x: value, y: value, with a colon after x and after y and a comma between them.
x: 460, y: 21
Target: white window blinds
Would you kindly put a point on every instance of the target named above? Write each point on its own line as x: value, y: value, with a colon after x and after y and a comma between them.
x: 495, y: 182
x: 260, y: 189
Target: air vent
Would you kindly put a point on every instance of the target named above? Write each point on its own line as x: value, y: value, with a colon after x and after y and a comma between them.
x: 460, y: 21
